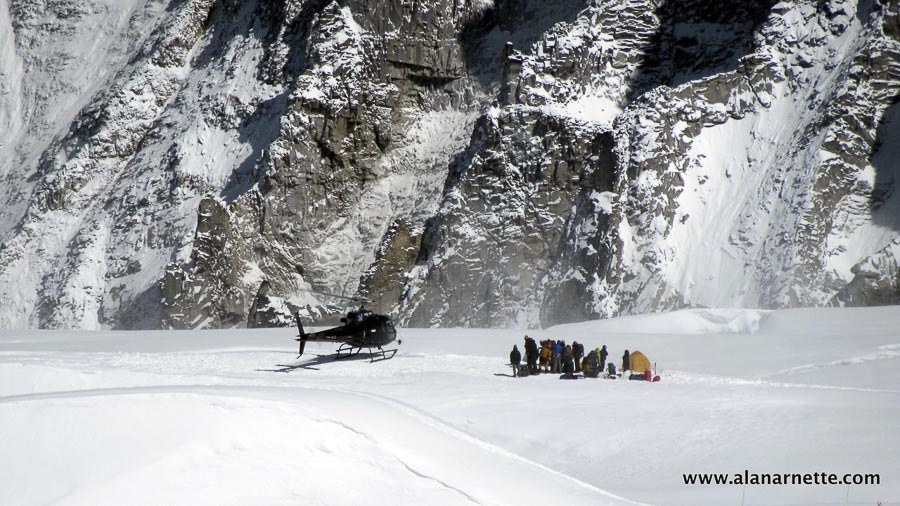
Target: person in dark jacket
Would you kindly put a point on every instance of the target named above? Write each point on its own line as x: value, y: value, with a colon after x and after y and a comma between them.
x: 515, y: 358
x: 568, y: 362
x: 531, y: 355
x: 578, y: 354
x: 626, y: 362
x: 603, y: 354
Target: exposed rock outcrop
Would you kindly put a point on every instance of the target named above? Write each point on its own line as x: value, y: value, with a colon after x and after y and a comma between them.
x: 876, y: 280
x: 455, y: 162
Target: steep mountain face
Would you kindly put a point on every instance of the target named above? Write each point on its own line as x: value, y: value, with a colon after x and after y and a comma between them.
x: 203, y: 163
x: 771, y: 174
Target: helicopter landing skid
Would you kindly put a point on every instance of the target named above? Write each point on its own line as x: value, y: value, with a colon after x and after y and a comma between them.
x: 347, y: 350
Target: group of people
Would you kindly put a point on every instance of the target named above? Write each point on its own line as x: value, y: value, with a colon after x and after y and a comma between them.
x: 561, y: 358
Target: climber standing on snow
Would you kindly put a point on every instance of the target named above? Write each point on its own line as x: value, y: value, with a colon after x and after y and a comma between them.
x: 545, y: 355
x: 515, y: 358
x: 568, y: 362
x: 602, y: 353
x: 578, y: 354
x: 626, y: 362
x: 557, y: 357
x: 531, y: 355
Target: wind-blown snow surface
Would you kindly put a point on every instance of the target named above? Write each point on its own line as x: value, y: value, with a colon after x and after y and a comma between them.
x: 230, y: 417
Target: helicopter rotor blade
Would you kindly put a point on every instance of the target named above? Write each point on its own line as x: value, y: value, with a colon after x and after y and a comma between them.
x: 337, y: 296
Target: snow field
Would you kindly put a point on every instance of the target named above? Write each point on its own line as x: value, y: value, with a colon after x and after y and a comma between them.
x: 236, y: 445
x: 230, y: 417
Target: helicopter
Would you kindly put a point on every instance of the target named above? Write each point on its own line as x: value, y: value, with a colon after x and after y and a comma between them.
x: 360, y: 329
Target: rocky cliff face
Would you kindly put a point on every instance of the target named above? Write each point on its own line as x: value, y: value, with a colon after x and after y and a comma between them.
x: 811, y: 95
x: 456, y: 162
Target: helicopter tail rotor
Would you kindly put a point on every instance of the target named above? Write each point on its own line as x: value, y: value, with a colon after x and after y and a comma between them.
x: 302, y: 336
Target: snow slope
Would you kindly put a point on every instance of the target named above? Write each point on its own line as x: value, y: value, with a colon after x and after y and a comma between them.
x: 230, y: 417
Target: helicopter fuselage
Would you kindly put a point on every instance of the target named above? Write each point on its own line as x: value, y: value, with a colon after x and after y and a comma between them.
x: 363, y: 329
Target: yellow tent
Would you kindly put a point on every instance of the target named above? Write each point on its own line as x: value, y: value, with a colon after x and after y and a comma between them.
x: 639, y: 362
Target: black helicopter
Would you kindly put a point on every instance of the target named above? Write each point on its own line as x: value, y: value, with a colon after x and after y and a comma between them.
x: 360, y: 329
